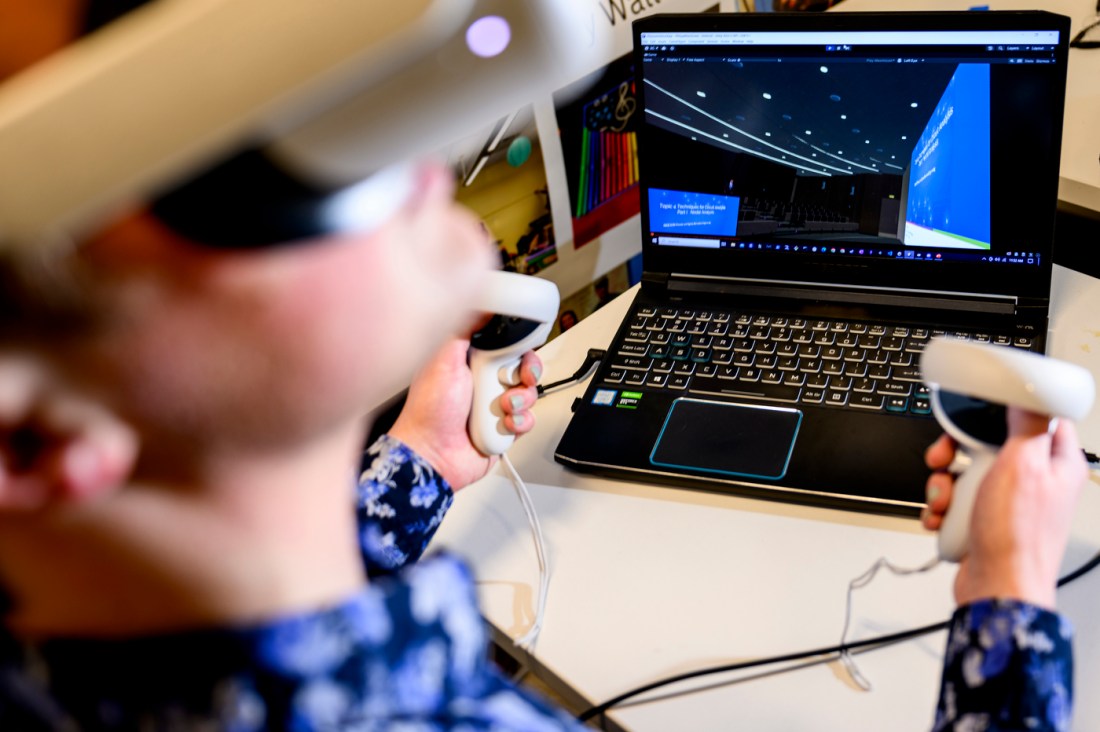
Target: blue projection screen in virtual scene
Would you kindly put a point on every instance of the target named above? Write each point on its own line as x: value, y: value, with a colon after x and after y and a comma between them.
x: 948, y: 190
x: 674, y: 212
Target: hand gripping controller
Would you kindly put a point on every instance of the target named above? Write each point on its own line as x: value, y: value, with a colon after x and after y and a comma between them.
x: 971, y: 384
x: 524, y: 309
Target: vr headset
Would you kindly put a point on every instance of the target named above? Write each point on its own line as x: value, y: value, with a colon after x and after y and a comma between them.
x: 246, y: 123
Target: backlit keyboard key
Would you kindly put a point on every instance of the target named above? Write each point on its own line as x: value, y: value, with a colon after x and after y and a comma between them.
x: 867, y: 401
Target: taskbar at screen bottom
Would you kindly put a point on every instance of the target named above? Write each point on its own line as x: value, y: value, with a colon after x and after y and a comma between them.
x: 888, y: 249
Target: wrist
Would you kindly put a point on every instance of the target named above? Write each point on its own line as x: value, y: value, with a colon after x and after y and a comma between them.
x: 1004, y: 581
x: 423, y: 445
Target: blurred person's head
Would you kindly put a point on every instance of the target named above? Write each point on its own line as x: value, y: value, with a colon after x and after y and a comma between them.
x: 225, y: 350
x: 567, y: 320
x: 603, y: 289
x: 228, y: 389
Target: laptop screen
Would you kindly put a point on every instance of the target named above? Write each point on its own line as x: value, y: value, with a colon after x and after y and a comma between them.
x: 862, y: 149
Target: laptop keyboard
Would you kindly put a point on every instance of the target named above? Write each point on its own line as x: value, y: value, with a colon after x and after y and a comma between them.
x: 839, y: 363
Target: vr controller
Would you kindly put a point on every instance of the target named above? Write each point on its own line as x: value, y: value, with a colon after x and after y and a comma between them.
x: 525, y: 308
x: 971, y: 386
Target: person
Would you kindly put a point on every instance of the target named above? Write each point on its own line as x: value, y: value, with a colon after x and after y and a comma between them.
x: 181, y: 546
x: 183, y: 542
x: 567, y: 320
x: 602, y: 289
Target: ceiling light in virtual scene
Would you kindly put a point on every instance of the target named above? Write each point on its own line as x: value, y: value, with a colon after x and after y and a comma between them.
x: 488, y: 36
x: 766, y: 95
x: 913, y: 105
x: 824, y: 69
x: 703, y: 94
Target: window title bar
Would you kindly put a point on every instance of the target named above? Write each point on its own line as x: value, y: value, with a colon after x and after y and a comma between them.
x: 861, y: 38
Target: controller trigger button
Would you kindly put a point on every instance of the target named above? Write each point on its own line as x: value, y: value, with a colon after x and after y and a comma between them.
x: 509, y: 374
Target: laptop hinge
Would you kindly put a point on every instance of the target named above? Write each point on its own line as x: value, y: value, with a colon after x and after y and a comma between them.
x: 655, y: 281
x: 846, y: 294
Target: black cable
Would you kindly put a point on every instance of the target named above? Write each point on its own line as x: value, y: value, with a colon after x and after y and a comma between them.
x: 595, y: 355
x: 882, y: 640
x: 1079, y: 39
x: 1080, y: 571
x: 878, y: 642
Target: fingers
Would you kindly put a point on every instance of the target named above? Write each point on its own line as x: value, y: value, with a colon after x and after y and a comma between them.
x: 938, y: 457
x: 517, y: 403
x: 939, y: 490
x: 530, y: 370
x: 940, y: 453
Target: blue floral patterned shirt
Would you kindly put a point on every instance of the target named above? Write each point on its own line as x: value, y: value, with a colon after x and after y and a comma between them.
x: 408, y: 653
x: 1008, y: 666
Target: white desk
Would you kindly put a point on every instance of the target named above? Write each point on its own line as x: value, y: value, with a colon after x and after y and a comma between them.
x: 1079, y: 182
x: 651, y: 581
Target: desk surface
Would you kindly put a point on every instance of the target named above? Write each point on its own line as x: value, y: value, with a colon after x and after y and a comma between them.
x: 651, y: 581
x: 1079, y: 182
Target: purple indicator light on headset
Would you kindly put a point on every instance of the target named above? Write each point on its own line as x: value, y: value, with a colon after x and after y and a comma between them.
x: 488, y: 36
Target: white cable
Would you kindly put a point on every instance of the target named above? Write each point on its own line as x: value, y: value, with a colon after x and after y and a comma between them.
x: 527, y: 641
x: 862, y: 581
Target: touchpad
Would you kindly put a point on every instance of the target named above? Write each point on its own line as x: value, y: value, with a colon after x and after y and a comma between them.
x: 734, y: 439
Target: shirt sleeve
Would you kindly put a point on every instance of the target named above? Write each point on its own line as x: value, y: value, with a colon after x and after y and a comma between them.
x: 400, y: 501
x: 437, y: 667
x: 1008, y: 667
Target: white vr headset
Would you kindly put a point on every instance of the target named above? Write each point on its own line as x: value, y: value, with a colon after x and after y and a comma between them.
x: 256, y: 121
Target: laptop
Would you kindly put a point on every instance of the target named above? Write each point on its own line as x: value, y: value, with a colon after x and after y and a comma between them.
x: 820, y: 195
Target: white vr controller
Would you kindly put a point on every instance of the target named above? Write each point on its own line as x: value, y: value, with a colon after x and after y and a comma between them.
x: 524, y: 309
x: 1006, y: 377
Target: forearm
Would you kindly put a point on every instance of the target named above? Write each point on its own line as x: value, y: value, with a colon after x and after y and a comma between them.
x: 400, y: 502
x: 1008, y: 666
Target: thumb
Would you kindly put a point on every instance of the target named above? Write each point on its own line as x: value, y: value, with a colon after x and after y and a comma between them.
x: 1022, y: 423
x: 1064, y: 444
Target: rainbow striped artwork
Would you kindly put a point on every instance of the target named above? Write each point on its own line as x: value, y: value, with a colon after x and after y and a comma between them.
x: 609, y: 165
